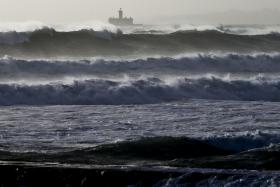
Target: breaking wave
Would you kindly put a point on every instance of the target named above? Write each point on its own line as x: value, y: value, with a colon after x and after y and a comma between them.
x: 31, y: 26
x: 143, y: 91
x: 48, y: 42
x: 13, y: 69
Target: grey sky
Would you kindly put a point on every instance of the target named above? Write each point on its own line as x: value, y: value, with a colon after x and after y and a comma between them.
x: 57, y: 11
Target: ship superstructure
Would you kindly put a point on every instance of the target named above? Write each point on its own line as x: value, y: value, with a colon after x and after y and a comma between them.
x: 121, y: 20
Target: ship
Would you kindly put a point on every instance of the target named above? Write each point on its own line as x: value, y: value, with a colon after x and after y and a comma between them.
x: 122, y: 21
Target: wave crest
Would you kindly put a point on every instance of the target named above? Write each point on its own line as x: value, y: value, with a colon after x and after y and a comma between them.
x: 151, y: 90
x: 13, y: 69
x: 86, y: 43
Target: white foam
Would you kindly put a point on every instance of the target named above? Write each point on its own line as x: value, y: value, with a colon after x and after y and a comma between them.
x: 244, y: 141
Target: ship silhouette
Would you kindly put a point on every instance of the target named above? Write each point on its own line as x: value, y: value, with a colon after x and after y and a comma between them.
x: 122, y: 21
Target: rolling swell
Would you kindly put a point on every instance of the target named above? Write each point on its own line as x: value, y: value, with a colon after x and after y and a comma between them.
x: 162, y: 151
x: 158, y: 148
x: 153, y: 148
x: 143, y: 91
x: 50, y: 43
x: 231, y: 63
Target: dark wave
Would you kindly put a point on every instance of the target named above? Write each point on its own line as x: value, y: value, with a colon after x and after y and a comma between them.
x: 156, y: 148
x: 169, y: 148
x: 232, y: 63
x: 50, y: 43
x: 159, y: 148
x: 153, y: 90
x: 244, y: 142
x: 159, y: 151
x: 256, y: 159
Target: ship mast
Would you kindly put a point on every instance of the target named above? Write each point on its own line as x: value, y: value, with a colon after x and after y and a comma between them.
x: 120, y: 14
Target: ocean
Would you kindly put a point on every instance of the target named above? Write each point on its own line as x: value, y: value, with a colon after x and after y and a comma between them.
x: 181, y: 105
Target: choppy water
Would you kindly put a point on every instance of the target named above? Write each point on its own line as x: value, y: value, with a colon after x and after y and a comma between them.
x: 230, y: 124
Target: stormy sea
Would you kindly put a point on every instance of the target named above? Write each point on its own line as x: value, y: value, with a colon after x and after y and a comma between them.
x: 168, y: 105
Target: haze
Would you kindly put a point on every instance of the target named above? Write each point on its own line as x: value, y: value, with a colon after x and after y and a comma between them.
x: 144, y: 11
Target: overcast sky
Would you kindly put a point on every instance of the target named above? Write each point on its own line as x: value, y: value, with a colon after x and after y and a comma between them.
x: 145, y: 11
